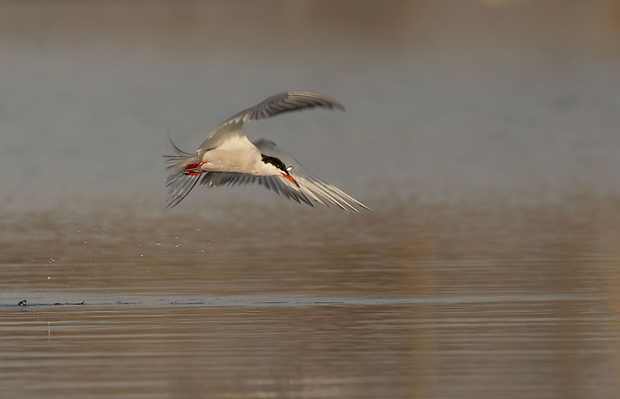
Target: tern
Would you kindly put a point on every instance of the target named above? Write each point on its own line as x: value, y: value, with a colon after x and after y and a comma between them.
x: 228, y: 158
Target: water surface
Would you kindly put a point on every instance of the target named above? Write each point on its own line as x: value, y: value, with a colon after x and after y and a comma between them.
x: 484, y: 134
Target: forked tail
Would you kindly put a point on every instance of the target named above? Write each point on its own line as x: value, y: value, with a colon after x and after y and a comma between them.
x: 182, y: 174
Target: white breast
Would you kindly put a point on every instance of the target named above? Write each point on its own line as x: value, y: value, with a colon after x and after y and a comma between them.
x: 237, y: 155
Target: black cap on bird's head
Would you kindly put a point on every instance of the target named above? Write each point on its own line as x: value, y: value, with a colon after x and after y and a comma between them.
x: 280, y: 165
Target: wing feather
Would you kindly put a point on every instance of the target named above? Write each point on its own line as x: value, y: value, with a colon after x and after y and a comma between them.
x: 311, y: 189
x: 272, y: 106
x: 275, y: 183
x: 284, y: 102
x: 309, y: 185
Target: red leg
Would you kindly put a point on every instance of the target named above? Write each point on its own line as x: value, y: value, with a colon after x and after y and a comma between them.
x: 191, y: 169
x: 194, y: 165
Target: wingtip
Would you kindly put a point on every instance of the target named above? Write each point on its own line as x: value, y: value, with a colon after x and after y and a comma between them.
x: 332, y: 103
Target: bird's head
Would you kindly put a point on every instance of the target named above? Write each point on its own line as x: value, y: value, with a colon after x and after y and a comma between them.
x: 282, y: 168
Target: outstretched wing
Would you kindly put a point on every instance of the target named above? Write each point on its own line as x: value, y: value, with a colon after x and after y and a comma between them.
x: 276, y: 183
x: 309, y: 185
x: 284, y: 102
x: 274, y: 105
x: 310, y: 190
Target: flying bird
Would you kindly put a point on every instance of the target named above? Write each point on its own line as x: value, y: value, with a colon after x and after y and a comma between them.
x: 227, y: 158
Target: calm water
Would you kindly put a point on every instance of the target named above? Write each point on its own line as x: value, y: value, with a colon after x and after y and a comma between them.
x: 424, y: 301
x: 483, y: 134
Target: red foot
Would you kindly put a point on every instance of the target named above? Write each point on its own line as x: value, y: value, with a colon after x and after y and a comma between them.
x: 194, y: 165
x: 192, y: 168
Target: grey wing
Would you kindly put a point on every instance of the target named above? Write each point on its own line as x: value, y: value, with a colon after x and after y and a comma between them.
x: 284, y: 102
x: 274, y: 105
x: 310, y: 186
x: 275, y: 183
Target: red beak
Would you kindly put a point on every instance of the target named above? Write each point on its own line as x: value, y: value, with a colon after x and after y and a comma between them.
x: 290, y: 178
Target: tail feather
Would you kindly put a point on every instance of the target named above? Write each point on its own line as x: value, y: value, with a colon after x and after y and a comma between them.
x: 178, y: 182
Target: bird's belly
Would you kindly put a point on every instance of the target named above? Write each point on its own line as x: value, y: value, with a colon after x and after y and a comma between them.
x: 228, y: 161
x: 237, y: 155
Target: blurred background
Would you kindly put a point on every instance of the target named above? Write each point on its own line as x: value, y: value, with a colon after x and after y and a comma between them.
x: 484, y: 134
x: 445, y: 99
